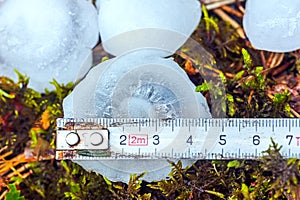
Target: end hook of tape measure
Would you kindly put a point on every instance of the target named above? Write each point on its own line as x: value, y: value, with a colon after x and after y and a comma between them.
x: 77, y: 138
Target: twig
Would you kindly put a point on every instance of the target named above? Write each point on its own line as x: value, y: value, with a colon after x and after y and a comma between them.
x: 4, y: 148
x: 294, y: 112
x: 263, y: 59
x: 2, y: 157
x: 232, y: 11
x: 240, y: 7
x: 281, y: 69
x: 250, y: 96
x: 278, y: 57
x: 229, y: 75
x: 2, y: 196
x: 212, y: 4
x: 233, y: 23
x: 273, y: 61
x: 18, y: 171
x: 270, y: 58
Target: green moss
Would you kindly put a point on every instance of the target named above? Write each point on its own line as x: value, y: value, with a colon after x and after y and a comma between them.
x: 29, y: 116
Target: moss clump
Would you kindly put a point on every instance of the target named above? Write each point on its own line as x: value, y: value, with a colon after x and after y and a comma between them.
x: 256, y: 84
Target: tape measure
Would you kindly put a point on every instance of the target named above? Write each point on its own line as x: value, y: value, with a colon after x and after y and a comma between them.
x: 235, y: 138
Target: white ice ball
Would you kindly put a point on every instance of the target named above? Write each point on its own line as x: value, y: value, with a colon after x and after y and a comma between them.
x: 134, y: 24
x: 273, y: 25
x: 47, y: 39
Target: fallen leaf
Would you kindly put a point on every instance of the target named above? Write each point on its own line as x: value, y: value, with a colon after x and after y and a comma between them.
x: 188, y: 67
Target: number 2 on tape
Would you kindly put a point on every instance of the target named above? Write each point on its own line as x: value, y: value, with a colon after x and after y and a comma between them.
x: 138, y: 140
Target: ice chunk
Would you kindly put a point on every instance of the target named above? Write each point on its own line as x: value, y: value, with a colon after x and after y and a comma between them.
x: 138, y: 84
x: 84, y: 92
x: 273, y: 25
x: 47, y: 39
x: 148, y: 78
x: 134, y: 24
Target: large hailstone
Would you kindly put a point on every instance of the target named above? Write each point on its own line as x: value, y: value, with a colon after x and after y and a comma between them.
x: 47, y: 39
x: 137, y: 84
x: 135, y: 24
x: 273, y: 25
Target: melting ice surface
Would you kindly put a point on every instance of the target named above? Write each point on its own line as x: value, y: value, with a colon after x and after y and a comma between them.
x: 152, y: 23
x: 273, y: 25
x: 135, y: 85
x: 47, y: 39
x: 151, y: 102
x: 146, y: 79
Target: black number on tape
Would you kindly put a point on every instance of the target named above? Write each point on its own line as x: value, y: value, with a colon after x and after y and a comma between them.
x: 256, y: 140
x: 222, y: 140
x: 123, y: 139
x: 290, y: 138
x: 190, y: 140
x: 156, y: 139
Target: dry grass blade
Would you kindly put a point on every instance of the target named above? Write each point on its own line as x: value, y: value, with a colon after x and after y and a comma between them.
x: 8, y: 170
x: 212, y: 4
x: 2, y: 196
x: 295, y: 113
x: 232, y: 22
x: 7, y: 165
x: 232, y: 11
x: 2, y: 157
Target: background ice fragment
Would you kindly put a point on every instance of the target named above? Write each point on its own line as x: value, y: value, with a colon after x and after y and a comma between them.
x: 47, y: 39
x: 146, y: 23
x: 134, y: 85
x: 273, y: 25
